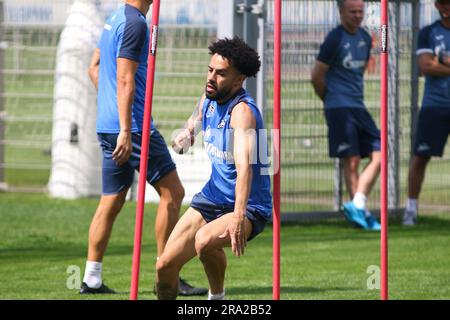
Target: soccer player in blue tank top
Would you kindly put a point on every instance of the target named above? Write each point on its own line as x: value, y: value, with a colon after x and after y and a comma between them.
x: 118, y: 70
x: 433, y: 127
x: 236, y: 203
x: 338, y: 79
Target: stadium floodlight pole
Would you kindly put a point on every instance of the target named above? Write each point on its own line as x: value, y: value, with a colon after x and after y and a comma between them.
x: 276, y: 148
x: 144, y: 150
x: 384, y: 150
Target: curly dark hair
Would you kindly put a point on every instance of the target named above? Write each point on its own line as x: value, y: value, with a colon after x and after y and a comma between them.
x: 244, y: 58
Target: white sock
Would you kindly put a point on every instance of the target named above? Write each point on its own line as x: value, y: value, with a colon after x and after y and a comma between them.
x: 359, y: 200
x: 217, y: 296
x: 93, y: 274
x: 411, y: 205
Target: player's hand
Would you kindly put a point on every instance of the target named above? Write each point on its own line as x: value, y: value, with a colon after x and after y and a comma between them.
x: 123, y: 148
x: 183, y: 141
x: 236, y: 231
x: 445, y: 60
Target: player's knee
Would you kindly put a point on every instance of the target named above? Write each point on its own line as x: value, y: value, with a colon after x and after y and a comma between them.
x: 179, y: 193
x: 164, y: 266
x: 352, y: 164
x: 376, y: 159
x: 202, y: 243
x: 112, y: 204
x: 420, y: 162
x: 174, y: 195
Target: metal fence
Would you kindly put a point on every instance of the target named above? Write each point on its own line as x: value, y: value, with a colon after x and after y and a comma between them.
x: 28, y: 47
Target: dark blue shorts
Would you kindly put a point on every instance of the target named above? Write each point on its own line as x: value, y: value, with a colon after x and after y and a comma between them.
x: 351, y: 132
x: 432, y: 131
x: 211, y: 211
x: 118, y: 178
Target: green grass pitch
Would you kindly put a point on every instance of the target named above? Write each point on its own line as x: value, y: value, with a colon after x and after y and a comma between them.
x: 40, y: 238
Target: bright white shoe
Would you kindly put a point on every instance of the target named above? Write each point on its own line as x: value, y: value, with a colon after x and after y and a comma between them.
x: 409, y: 218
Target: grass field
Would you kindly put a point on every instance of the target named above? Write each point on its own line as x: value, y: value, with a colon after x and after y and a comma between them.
x: 41, y: 238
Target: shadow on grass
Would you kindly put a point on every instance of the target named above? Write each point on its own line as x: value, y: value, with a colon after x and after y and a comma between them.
x: 425, y: 223
x: 263, y: 290
x: 61, y: 251
x: 285, y: 289
x: 336, y: 230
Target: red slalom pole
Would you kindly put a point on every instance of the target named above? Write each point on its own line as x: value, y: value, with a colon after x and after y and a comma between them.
x: 384, y: 149
x: 276, y: 149
x: 144, y: 150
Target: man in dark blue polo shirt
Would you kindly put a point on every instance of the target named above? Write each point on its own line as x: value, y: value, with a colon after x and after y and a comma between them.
x: 434, y: 119
x: 338, y: 79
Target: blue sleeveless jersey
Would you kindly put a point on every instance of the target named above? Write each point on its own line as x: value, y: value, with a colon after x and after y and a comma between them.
x: 218, y: 142
x: 435, y: 39
x: 347, y: 55
x: 125, y: 35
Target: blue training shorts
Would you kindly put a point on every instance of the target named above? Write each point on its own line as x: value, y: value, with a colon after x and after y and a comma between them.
x: 432, y: 131
x: 118, y: 178
x: 211, y: 211
x: 351, y: 132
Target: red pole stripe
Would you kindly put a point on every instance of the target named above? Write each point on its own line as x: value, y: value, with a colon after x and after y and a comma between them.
x: 384, y: 150
x: 144, y: 151
x: 277, y: 150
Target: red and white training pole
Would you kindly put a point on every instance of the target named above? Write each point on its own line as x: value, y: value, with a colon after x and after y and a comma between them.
x: 276, y: 148
x: 384, y: 149
x: 144, y: 150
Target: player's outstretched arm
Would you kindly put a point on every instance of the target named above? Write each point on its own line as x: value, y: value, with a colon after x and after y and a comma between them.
x: 185, y: 138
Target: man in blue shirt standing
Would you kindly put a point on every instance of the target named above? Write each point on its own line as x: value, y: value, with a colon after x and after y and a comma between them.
x: 434, y: 119
x: 118, y: 70
x: 235, y: 204
x: 338, y: 80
